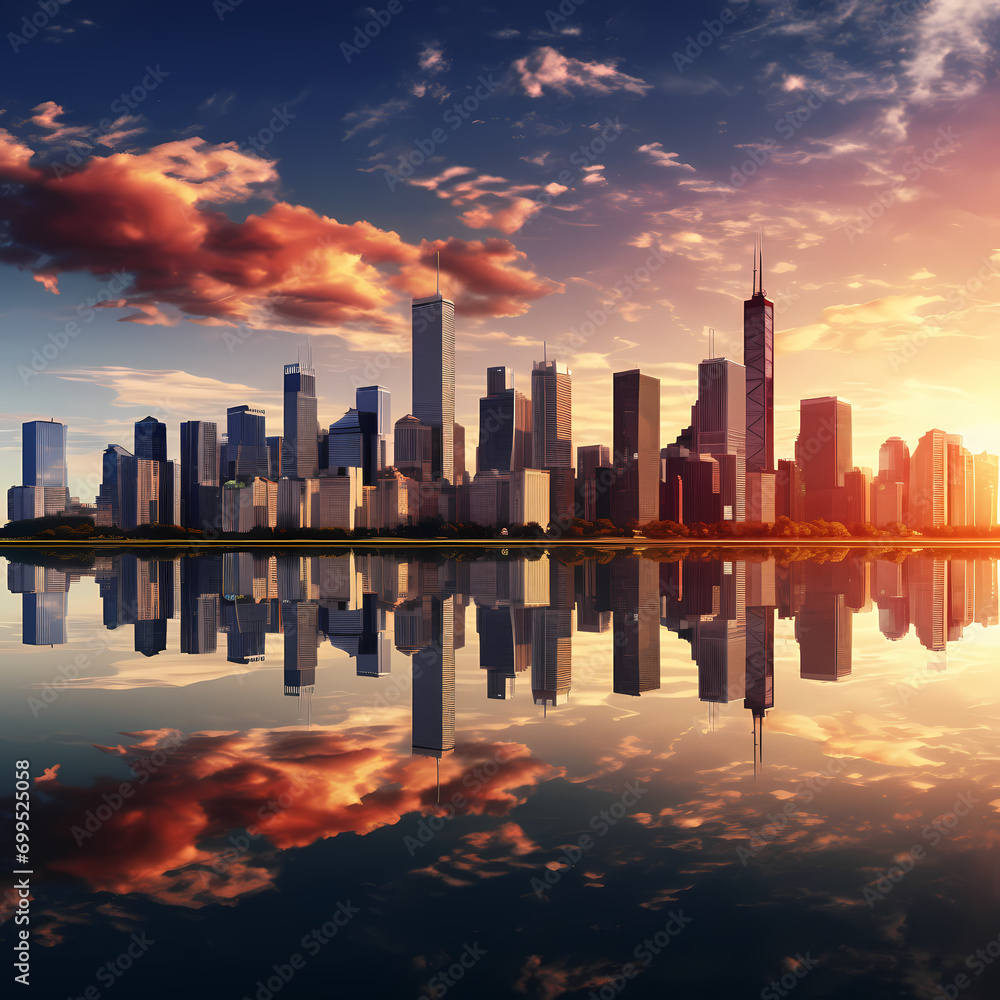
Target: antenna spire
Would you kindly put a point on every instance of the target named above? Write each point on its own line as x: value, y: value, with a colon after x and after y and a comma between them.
x: 761, y: 261
x: 711, y: 341
x: 754, y: 292
x: 437, y: 283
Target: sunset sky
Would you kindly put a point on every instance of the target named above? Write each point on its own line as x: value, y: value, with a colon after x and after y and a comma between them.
x: 593, y: 176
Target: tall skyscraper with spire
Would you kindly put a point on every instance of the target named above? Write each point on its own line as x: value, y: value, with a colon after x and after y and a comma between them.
x: 758, y: 358
x: 552, y: 415
x: 552, y: 432
x: 300, y: 441
x: 433, y: 374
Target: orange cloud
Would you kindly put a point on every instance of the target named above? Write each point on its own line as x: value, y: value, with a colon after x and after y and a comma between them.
x: 172, y: 839
x: 155, y: 216
x: 548, y: 69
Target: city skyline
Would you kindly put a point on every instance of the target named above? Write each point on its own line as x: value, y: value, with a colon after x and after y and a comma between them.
x: 720, y: 468
x: 603, y: 197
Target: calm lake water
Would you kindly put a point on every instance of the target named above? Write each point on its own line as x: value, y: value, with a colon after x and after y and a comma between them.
x: 529, y: 774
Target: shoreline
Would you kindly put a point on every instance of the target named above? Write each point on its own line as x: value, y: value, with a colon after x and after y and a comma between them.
x: 637, y: 542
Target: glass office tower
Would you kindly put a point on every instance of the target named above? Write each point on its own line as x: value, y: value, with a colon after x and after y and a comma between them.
x: 433, y: 367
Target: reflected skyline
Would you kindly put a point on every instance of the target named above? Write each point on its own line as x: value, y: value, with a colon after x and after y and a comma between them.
x: 391, y: 615
x: 381, y: 727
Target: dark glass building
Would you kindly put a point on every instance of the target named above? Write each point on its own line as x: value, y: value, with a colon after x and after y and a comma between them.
x: 199, y: 470
x: 504, y: 424
x: 117, y: 498
x: 823, y: 449
x: 758, y: 358
x: 636, y: 491
x: 43, y: 454
x: 155, y: 474
x: 300, y: 441
x: 246, y: 444
x: 377, y: 400
x: 433, y: 379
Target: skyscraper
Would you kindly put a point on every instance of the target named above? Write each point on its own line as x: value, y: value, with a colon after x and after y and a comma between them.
x: 412, y: 448
x: 894, y: 467
x: 758, y: 358
x: 43, y: 463
x: 719, y: 429
x: 504, y: 424
x: 552, y: 415
x: 155, y: 483
x: 433, y: 688
x: 300, y: 441
x: 929, y: 481
x: 551, y: 655
x: 199, y: 473
x: 987, y: 468
x: 353, y: 443
x: 116, y: 502
x: 590, y: 458
x: 823, y: 450
x: 635, y: 585
x: 824, y: 454
x: 246, y: 445
x: 433, y: 378
x: 961, y: 483
x: 636, y: 491
x: 377, y: 400
x: 459, y: 452
x: 151, y: 439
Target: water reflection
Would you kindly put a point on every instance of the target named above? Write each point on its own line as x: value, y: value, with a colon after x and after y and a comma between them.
x: 460, y: 781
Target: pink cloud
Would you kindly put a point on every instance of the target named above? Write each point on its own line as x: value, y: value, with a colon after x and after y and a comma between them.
x: 548, y: 69
x: 156, y: 216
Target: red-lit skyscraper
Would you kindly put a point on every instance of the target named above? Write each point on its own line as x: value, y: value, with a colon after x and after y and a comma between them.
x: 758, y: 358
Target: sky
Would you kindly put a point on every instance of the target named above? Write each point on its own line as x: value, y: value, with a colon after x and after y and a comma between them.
x: 192, y: 192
